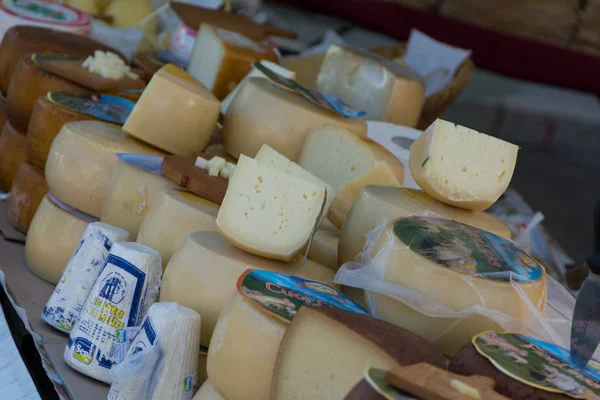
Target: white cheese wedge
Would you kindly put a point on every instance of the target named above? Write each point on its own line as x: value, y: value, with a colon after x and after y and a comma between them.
x: 175, y: 214
x: 378, y: 202
x: 75, y: 284
x: 203, y: 273
x: 264, y: 113
x: 387, y: 91
x: 162, y: 361
x: 268, y: 212
x: 208, y: 392
x: 324, y: 249
x: 460, y: 166
x: 126, y: 287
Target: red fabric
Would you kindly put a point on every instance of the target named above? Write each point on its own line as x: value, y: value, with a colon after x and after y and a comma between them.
x: 493, y: 51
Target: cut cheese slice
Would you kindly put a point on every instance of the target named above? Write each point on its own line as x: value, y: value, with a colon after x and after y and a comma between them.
x: 326, y: 351
x: 26, y: 194
x: 175, y: 113
x: 378, y: 202
x: 222, y: 58
x: 387, y: 91
x: 81, y: 160
x: 268, y: 212
x: 245, y: 340
x: 173, y: 215
x: 324, y: 248
x: 203, y: 273
x: 460, y: 166
x: 264, y: 113
x: 130, y: 194
x: 28, y: 83
x: 51, y: 240
x: 13, y: 152
x: 208, y: 392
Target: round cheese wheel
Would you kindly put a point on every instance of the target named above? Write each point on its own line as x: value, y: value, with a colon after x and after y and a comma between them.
x: 51, y: 240
x: 3, y: 109
x: 81, y: 160
x: 26, y: 194
x: 22, y: 40
x: 13, y: 152
x: 130, y: 194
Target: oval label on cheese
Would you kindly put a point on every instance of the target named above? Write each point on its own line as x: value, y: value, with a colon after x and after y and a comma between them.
x: 104, y: 107
x: 539, y: 364
x: 46, y: 12
x: 467, y: 250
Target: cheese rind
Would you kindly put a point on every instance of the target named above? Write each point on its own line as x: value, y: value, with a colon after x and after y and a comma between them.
x: 26, y: 194
x: 203, y: 273
x: 81, y: 160
x: 173, y: 215
x: 324, y: 248
x: 51, y: 240
x: 263, y: 113
x: 175, y: 113
x: 13, y: 152
x: 460, y: 166
x: 129, y: 196
x: 208, y: 392
x: 268, y: 212
x: 375, y: 203
x: 387, y: 91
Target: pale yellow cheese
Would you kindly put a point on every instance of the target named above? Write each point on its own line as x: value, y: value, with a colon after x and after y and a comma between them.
x: 175, y: 113
x: 323, y: 249
x: 460, y: 166
x: 378, y: 202
x: 208, y: 392
x: 174, y: 214
x: 263, y: 113
x: 387, y: 91
x: 268, y: 212
x: 203, y: 273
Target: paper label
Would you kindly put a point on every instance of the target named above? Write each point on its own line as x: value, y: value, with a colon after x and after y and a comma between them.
x: 326, y: 101
x: 104, y: 107
x: 282, y: 295
x: 376, y: 379
x: 467, y: 250
x: 45, y: 11
x: 189, y: 386
x: 162, y: 58
x: 152, y: 164
x: 123, y: 341
x: 539, y: 364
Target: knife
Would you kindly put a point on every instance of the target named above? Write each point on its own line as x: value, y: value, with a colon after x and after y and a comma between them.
x: 585, y: 330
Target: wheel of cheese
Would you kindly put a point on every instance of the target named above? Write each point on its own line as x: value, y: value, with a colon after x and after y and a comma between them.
x: 323, y: 249
x: 28, y: 83
x: 208, y: 392
x: 28, y: 190
x: 130, y: 194
x: 262, y: 113
x: 22, y: 40
x: 81, y: 160
x: 13, y: 152
x: 51, y: 240
x: 3, y: 109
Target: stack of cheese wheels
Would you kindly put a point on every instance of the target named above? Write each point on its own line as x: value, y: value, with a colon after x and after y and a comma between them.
x: 13, y: 152
x: 26, y: 194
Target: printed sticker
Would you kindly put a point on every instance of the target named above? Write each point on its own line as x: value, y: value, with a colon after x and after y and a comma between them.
x: 539, y: 364
x: 46, y: 12
x: 102, y: 106
x: 466, y: 249
x: 283, y: 295
x: 376, y: 379
x: 189, y: 386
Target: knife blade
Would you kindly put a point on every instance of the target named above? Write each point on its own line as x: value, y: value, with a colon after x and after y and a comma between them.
x: 585, y: 329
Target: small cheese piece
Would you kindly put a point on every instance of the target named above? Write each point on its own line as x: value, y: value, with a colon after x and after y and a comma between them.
x: 46, y: 122
x: 26, y: 194
x: 387, y: 91
x: 268, y: 212
x: 3, y: 109
x: 161, y: 362
x: 204, y: 271
x: 13, y: 153
x: 126, y: 287
x: 130, y: 194
x: 219, y: 150
x: 325, y: 351
x: 51, y: 240
x: 222, y: 58
x: 201, y: 163
x: 75, y: 284
x: 263, y: 113
x: 227, y: 171
x: 378, y: 202
x: 175, y: 113
x: 108, y: 65
x: 460, y: 166
x: 81, y: 161
x: 246, y: 340
x: 208, y: 392
x: 28, y: 83
x: 174, y: 214
x: 324, y: 248
x: 465, y: 389
x: 215, y: 165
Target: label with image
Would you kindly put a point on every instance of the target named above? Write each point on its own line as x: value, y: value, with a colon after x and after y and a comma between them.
x: 539, y: 364
x: 466, y: 249
x: 102, y: 106
x: 376, y: 379
x: 189, y: 386
x: 45, y: 12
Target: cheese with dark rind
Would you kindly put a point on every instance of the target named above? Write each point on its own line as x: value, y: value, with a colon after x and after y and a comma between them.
x: 26, y: 194
x: 13, y: 152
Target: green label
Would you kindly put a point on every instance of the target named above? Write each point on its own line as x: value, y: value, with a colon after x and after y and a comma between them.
x: 376, y: 379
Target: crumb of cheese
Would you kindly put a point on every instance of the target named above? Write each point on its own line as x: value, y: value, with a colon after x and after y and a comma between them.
x: 108, y: 65
x: 201, y: 163
x: 465, y: 389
